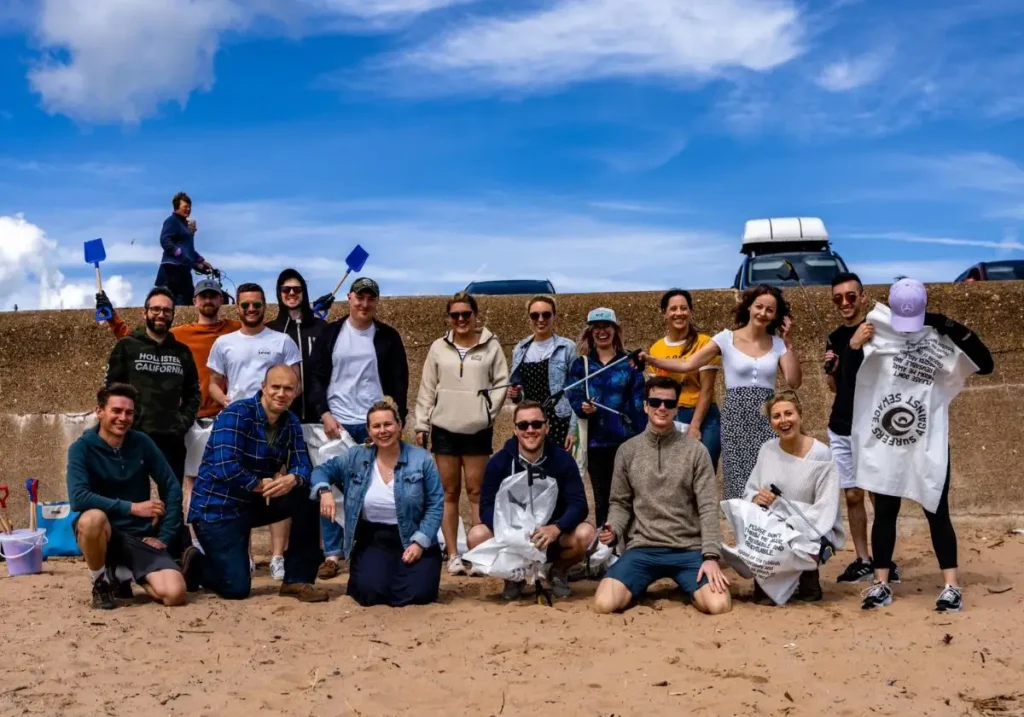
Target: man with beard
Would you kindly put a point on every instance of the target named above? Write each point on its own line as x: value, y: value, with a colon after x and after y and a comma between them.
x: 295, y: 318
x: 162, y: 370
x: 238, y: 362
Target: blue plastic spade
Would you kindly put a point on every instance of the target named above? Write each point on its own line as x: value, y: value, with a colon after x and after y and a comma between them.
x: 355, y: 261
x: 94, y: 254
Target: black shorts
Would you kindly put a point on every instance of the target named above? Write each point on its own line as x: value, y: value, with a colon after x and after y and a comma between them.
x: 447, y: 443
x: 140, y: 558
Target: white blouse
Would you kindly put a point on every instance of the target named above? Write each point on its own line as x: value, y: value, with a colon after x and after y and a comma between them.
x: 742, y: 370
x: 379, y: 503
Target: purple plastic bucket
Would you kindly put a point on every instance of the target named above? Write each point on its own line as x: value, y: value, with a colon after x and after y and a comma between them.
x: 23, y: 551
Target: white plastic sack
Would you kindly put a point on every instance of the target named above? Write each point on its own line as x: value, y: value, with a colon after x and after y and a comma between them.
x: 195, y: 444
x: 461, y: 541
x: 322, y: 449
x: 519, y: 509
x: 768, y: 549
x: 682, y: 427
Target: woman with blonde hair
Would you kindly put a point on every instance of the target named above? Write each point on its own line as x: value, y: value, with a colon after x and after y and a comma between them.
x: 456, y: 408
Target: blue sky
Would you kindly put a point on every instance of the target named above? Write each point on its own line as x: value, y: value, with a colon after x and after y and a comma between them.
x: 604, y: 144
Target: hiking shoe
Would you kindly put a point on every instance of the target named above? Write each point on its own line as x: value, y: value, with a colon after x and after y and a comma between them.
x: 123, y: 590
x: 304, y: 592
x: 190, y: 568
x: 329, y: 570
x: 761, y: 597
x: 856, y: 571
x: 277, y: 567
x: 809, y: 589
x: 950, y: 600
x: 560, y: 584
x: 513, y: 590
x: 103, y: 595
x: 456, y: 566
x: 894, y: 575
x: 876, y: 596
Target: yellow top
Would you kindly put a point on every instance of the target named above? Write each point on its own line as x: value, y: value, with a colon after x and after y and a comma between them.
x: 690, y: 381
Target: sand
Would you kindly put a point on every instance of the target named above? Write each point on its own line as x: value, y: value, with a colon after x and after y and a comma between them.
x: 473, y: 655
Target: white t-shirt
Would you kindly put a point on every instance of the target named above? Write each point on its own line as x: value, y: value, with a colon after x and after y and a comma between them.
x: 379, y: 503
x: 742, y: 370
x: 244, y: 360
x: 355, y: 382
x: 540, y: 350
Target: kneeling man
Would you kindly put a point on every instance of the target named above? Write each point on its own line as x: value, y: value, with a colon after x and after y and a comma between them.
x: 566, y: 537
x: 255, y: 472
x: 664, y: 506
x: 120, y: 527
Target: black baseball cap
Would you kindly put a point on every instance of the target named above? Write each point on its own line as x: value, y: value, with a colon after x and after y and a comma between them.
x: 208, y: 284
x: 365, y: 285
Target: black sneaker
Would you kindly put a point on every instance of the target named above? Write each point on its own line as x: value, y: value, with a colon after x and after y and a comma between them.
x: 894, y: 575
x: 513, y: 590
x: 950, y: 600
x: 190, y: 568
x: 809, y: 589
x: 103, y: 595
x: 876, y: 596
x: 856, y: 571
x: 560, y: 584
x: 123, y: 589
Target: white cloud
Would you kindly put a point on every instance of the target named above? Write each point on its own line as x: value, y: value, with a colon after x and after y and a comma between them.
x: 983, y: 171
x: 1006, y: 244
x: 584, y: 40
x: 27, y: 255
x: 849, y: 74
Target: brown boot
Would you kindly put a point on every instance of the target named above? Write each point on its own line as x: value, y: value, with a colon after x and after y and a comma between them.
x: 304, y: 592
x: 328, y: 570
x: 809, y: 589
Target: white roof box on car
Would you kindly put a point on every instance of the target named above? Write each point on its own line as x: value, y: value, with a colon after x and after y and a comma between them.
x: 762, y: 236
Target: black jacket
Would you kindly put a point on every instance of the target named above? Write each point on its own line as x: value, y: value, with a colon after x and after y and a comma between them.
x: 392, y: 365
x: 304, y: 333
x: 165, y: 376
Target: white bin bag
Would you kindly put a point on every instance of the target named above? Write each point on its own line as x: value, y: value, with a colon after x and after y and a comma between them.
x: 322, y: 449
x: 195, y: 445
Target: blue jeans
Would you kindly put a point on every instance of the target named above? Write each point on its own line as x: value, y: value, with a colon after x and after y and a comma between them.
x: 710, y: 430
x: 331, y: 531
x: 224, y: 566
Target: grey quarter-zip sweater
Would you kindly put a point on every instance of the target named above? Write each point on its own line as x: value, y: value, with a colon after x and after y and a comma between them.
x: 664, y: 494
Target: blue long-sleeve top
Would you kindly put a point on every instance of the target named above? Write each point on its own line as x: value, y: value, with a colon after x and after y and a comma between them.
x: 178, y: 243
x: 620, y: 388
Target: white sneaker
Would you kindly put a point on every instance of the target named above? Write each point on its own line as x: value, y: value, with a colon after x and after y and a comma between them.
x: 252, y: 566
x: 456, y: 566
x: 277, y: 567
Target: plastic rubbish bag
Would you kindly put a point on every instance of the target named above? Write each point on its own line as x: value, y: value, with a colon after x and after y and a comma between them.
x: 522, y: 505
x: 322, y: 449
x: 768, y: 549
x: 195, y: 444
x: 461, y: 540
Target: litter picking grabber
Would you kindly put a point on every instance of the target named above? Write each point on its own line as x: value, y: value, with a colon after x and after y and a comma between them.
x: 793, y: 275
x: 32, y: 486
x: 94, y: 254
x: 355, y: 261
x: 827, y: 549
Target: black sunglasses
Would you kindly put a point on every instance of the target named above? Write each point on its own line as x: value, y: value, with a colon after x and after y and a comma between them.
x: 850, y: 297
x: 659, y: 402
x: 246, y: 305
x: 464, y: 315
x: 291, y: 289
x: 538, y: 315
x: 535, y: 425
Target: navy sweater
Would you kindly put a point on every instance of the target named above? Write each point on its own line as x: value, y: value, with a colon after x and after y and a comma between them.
x: 178, y: 243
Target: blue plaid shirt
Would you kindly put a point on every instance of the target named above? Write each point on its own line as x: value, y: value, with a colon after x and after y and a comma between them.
x: 238, y: 457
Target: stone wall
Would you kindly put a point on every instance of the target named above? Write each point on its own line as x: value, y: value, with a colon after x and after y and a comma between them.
x: 51, y: 364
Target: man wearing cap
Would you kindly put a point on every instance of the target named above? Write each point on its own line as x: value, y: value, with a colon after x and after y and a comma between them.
x: 915, y: 363
x: 356, y: 362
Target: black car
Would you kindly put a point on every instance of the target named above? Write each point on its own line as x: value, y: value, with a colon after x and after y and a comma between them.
x: 507, y: 287
x: 777, y: 249
x: 1011, y: 270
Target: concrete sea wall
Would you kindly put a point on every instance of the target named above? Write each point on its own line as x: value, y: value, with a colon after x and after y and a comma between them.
x: 51, y: 364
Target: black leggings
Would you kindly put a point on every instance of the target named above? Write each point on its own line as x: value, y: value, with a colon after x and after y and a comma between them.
x: 600, y: 466
x: 883, y: 532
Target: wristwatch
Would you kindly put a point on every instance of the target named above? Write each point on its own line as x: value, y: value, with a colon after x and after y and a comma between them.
x: 323, y: 489
x: 711, y: 556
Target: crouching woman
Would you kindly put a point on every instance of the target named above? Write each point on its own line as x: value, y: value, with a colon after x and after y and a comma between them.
x: 393, y: 507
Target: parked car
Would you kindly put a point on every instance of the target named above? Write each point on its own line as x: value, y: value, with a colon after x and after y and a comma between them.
x: 1011, y: 270
x: 802, y: 241
x: 505, y: 287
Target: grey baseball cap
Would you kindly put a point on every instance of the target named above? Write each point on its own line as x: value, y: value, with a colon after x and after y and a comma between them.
x: 365, y: 284
x: 208, y: 284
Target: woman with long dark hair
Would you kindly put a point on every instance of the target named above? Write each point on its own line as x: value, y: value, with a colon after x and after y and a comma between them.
x: 751, y: 354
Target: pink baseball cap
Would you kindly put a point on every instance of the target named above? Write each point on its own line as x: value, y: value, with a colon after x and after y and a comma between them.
x: 907, y: 300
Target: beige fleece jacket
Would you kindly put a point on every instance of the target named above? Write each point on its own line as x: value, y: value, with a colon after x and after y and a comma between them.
x: 664, y: 494
x: 450, y: 386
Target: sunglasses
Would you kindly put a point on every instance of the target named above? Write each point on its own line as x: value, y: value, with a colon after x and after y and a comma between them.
x: 246, y: 305
x: 850, y: 297
x: 535, y: 425
x: 291, y: 289
x: 659, y: 402
x: 464, y: 315
x: 538, y: 315
x: 158, y: 310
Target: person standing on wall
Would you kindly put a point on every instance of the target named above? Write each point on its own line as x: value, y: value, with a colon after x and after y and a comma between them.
x: 164, y: 373
x: 612, y: 401
x: 356, y: 363
x: 697, y: 406
x: 752, y: 355
x: 844, y: 353
x: 177, y: 239
x: 540, y: 368
x: 456, y: 406
x: 295, y: 318
x: 238, y: 362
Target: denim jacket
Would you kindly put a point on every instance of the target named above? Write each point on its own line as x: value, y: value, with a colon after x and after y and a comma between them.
x: 558, y: 371
x: 419, y: 497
